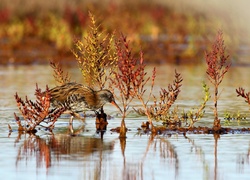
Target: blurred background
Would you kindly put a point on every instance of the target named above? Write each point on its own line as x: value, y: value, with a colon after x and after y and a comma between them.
x: 178, y: 32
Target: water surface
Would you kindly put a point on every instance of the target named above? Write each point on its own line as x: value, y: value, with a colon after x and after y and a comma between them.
x: 140, y: 156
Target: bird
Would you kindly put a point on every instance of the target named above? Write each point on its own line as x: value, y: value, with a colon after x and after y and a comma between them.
x: 76, y: 97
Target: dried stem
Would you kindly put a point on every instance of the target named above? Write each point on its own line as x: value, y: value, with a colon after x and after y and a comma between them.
x: 125, y: 75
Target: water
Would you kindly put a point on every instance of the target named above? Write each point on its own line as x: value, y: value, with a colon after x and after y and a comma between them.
x: 87, y: 156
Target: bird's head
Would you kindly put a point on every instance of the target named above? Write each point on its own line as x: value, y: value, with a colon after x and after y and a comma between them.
x: 107, y: 97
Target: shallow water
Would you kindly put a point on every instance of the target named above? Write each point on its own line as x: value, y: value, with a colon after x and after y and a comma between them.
x: 88, y: 156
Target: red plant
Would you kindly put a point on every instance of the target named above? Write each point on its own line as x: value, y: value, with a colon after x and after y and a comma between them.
x: 129, y: 78
x: 35, y: 113
x: 241, y: 92
x: 217, y: 67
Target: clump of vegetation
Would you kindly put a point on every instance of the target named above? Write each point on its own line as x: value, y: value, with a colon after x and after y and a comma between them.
x: 217, y: 67
x: 102, y: 61
x: 95, y: 57
x: 160, y: 109
x: 37, y: 113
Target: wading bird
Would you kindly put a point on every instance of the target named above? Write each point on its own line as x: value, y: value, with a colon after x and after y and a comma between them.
x: 75, y: 98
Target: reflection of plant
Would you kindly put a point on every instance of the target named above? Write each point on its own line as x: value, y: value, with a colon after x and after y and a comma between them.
x: 59, y: 75
x: 35, y: 113
x: 217, y: 67
x: 196, y: 114
x: 94, y: 56
x: 28, y: 149
x: 241, y: 92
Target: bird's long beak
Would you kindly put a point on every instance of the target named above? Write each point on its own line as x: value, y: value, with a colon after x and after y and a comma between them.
x: 114, y: 103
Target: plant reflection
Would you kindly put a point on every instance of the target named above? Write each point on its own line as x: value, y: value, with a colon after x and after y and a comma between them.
x: 101, y: 129
x: 242, y: 160
x: 50, y: 148
x: 216, y: 137
x: 201, y: 154
x: 136, y: 170
x: 92, y: 154
x: 34, y: 146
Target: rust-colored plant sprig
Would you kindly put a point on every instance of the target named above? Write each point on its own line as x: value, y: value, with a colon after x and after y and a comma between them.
x: 246, y: 95
x: 60, y: 76
x: 35, y: 113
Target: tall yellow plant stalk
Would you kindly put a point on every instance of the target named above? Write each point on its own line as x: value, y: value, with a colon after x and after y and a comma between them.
x: 95, y: 55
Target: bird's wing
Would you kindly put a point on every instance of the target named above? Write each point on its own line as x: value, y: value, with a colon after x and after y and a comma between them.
x: 70, y: 92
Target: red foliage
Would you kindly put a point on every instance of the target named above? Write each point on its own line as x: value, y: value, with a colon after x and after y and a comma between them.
x: 34, y: 113
x: 241, y: 92
x: 217, y: 61
x: 217, y: 67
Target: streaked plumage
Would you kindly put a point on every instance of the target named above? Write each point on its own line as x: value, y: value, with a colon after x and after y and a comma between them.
x: 77, y: 98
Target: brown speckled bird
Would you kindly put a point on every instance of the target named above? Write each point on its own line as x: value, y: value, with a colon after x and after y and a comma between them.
x: 78, y: 98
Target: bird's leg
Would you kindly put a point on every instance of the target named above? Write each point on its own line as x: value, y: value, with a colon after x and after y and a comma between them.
x: 101, y: 110
x: 97, y: 120
x: 71, y: 118
x: 77, y: 115
x: 96, y: 113
x: 101, y: 117
x: 71, y: 130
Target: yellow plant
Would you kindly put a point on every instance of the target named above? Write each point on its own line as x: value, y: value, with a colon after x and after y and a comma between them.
x: 95, y: 55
